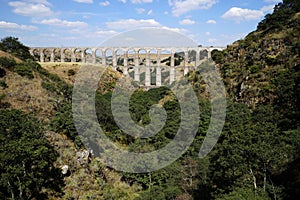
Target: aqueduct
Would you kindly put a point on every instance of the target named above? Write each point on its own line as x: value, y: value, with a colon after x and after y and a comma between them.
x: 152, y: 61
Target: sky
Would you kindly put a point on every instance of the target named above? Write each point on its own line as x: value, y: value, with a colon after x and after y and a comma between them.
x: 62, y: 23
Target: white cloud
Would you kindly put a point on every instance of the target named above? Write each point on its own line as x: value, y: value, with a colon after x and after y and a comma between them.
x: 207, y: 33
x: 104, y: 3
x: 14, y: 26
x: 180, y: 7
x: 178, y: 30
x: 106, y: 33
x: 166, y: 12
x: 83, y: 1
x: 141, y: 1
x: 131, y: 24
x: 140, y: 10
x: 240, y: 14
x: 211, y: 21
x: 123, y: 1
x: 63, y: 23
x: 126, y: 24
x: 268, y: 8
x: 149, y: 12
x: 186, y: 22
x: 34, y: 8
x: 45, y: 2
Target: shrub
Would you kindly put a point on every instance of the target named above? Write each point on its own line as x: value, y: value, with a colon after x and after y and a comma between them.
x: 3, y: 105
x: 48, y: 86
x: 2, y: 73
x: 71, y: 72
x: 7, y: 63
x: 3, y: 84
x: 24, y: 70
x: 254, y: 69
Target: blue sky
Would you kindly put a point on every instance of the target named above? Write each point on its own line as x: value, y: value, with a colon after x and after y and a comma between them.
x: 90, y: 22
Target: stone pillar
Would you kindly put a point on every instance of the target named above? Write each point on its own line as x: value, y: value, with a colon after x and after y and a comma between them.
x: 125, y: 62
x: 114, y: 60
x: 197, y: 58
x: 147, y: 58
x: 42, y: 56
x: 103, y: 62
x: 147, y: 71
x: 136, y: 67
x: 186, y: 58
x: 94, y: 56
x: 62, y: 55
x: 172, y: 74
x: 52, y: 56
x: 73, y: 56
x: 158, y: 76
x: 83, y: 58
x: 158, y: 68
x: 158, y: 57
x: 172, y: 61
x: 208, y: 53
x: 147, y: 76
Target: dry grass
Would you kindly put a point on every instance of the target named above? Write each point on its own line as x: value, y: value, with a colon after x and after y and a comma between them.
x: 27, y: 95
x: 7, y: 55
x: 61, y: 69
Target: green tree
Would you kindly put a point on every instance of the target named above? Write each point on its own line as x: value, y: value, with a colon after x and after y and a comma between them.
x: 13, y: 46
x: 26, y: 158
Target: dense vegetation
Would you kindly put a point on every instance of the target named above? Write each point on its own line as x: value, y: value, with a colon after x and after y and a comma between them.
x: 256, y: 157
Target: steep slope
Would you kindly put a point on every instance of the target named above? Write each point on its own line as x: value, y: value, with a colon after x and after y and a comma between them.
x: 252, y: 67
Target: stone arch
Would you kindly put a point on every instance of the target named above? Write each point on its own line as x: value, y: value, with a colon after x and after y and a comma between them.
x: 47, y: 54
x: 108, y: 55
x: 155, y: 69
x: 98, y: 56
x: 120, y: 56
x: 66, y: 55
x: 153, y: 55
x: 192, y: 58
x: 36, y: 54
x: 204, y: 54
x: 131, y: 56
x: 77, y: 55
x: 142, y: 56
x: 57, y: 54
x: 164, y: 63
x: 88, y: 53
x: 179, y: 57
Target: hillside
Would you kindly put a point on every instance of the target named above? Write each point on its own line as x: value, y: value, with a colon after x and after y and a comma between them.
x: 256, y: 157
x: 253, y: 67
x: 27, y: 87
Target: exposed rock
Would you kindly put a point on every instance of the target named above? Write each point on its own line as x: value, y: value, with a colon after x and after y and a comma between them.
x: 83, y: 157
x: 65, y: 169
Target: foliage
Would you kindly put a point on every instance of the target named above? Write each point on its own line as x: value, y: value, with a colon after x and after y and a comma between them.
x: 2, y: 72
x: 7, y: 63
x: 243, y: 194
x: 3, y: 84
x: 71, y: 72
x: 23, y: 69
x: 3, y: 105
x: 14, y: 47
x: 63, y: 122
x: 26, y: 158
